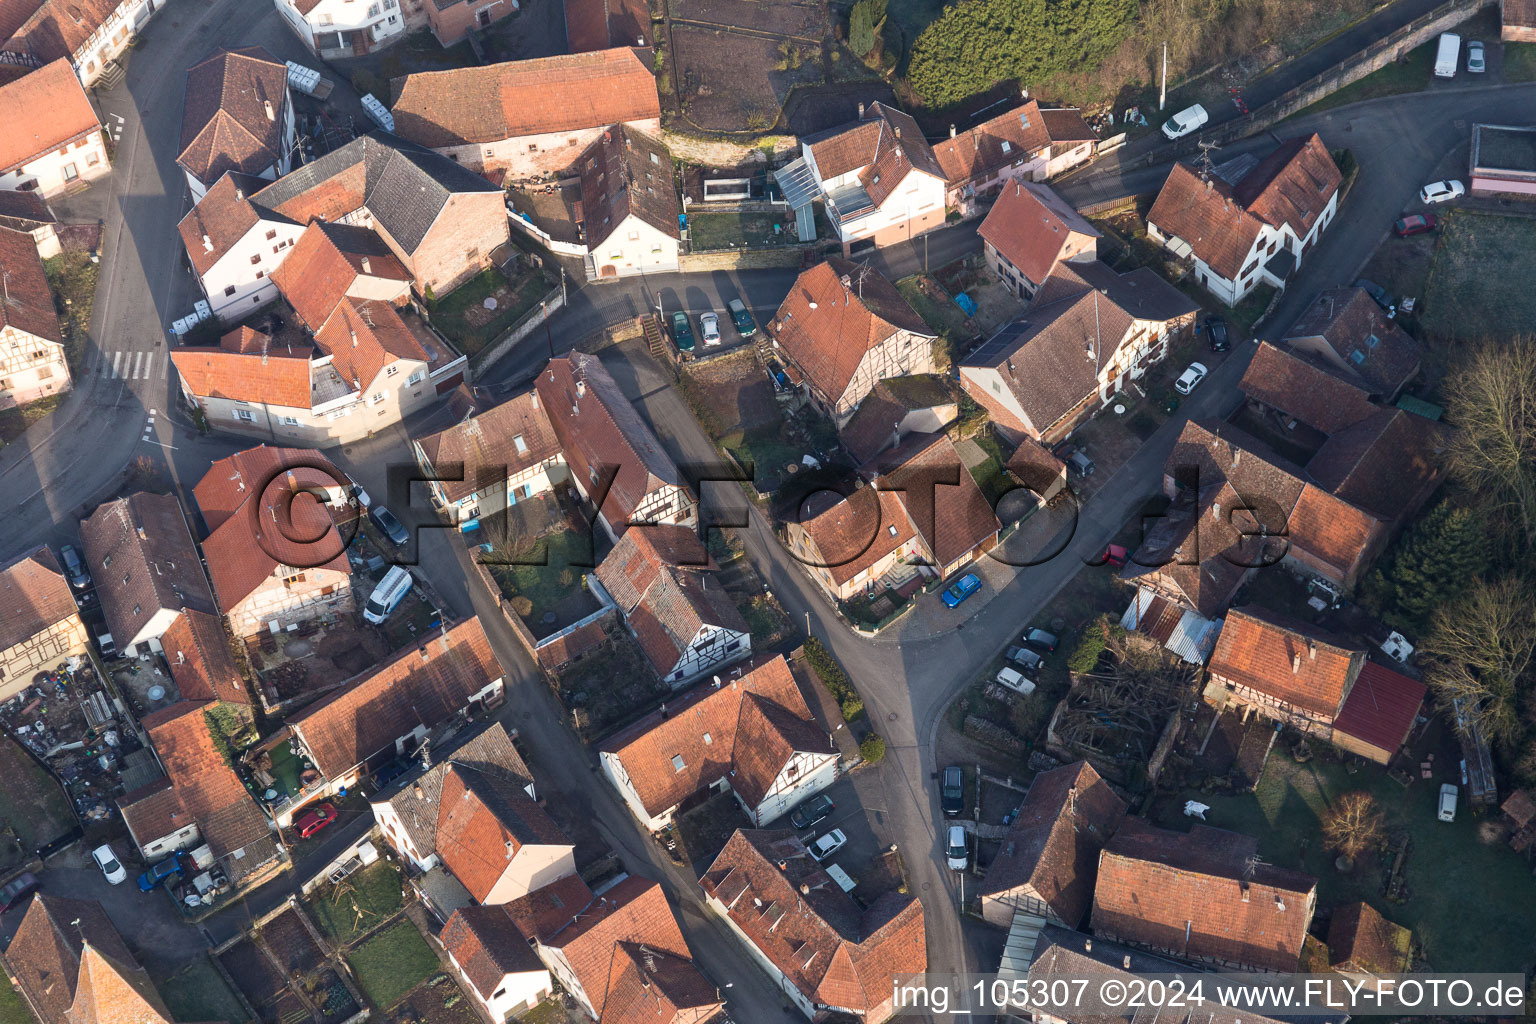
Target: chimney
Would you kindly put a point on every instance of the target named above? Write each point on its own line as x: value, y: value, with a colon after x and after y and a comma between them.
x: 898, y: 131
x: 354, y: 336
x: 239, y: 193
x: 207, y: 244
x: 1087, y: 945
x: 1125, y: 961
x: 1209, y: 184
x: 783, y: 865
x: 533, y: 398
x: 422, y: 650
x: 271, y: 116
x: 510, y: 849
x: 951, y: 131
x: 1296, y: 663
x: 813, y: 305
x: 805, y: 890
x: 581, y: 389
x: 861, y: 111
x: 421, y: 794
x: 1311, y: 649
x: 367, y: 265
x: 664, y: 712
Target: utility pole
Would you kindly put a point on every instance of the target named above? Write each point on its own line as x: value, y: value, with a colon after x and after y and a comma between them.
x: 1162, y: 97
x: 548, y: 336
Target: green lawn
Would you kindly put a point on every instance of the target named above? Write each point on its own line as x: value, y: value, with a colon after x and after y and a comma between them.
x: 1520, y: 62
x: 13, y: 1008
x: 15, y: 420
x: 31, y: 804
x: 197, y: 993
x: 73, y: 277
x: 462, y: 316
x: 942, y: 315
x: 392, y: 963
x: 1468, y: 293
x: 1470, y: 917
x: 375, y: 891
x: 990, y: 475
x: 730, y: 230
x: 567, y: 556
x: 765, y: 451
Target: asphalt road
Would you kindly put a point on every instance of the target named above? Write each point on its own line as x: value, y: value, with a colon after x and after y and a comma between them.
x: 79, y: 455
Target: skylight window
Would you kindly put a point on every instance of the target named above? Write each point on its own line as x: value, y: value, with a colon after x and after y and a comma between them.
x: 677, y: 763
x: 1357, y: 357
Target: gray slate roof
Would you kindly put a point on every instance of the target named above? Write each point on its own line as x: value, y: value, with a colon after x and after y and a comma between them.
x: 405, y: 186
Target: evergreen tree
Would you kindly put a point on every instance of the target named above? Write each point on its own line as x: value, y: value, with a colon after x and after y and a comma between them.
x: 1434, y: 564
x: 864, y: 26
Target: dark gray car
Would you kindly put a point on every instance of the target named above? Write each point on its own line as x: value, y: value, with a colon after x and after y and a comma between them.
x: 811, y: 811
x: 386, y: 521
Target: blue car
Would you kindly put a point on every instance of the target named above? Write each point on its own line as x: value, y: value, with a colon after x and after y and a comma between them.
x: 157, y: 873
x: 961, y: 589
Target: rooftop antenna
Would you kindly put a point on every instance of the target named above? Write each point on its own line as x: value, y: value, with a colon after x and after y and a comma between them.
x: 1204, y: 159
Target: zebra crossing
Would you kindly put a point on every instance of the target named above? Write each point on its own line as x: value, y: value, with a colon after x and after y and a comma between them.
x: 128, y: 366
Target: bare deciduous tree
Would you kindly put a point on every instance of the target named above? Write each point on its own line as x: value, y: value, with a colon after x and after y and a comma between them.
x: 1492, y: 400
x: 1481, y: 653
x: 1354, y: 824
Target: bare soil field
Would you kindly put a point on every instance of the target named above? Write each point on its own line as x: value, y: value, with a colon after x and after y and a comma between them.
x: 735, y: 393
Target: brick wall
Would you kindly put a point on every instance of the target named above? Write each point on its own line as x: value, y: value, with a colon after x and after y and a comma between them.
x: 459, y: 245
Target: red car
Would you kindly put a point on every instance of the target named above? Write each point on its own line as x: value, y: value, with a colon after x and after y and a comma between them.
x: 314, y: 819
x: 1414, y: 224
x: 1115, y: 556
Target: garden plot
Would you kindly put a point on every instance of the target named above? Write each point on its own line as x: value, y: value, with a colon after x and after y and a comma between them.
x: 738, y: 60
x: 732, y: 394
x: 610, y: 686
x: 1468, y: 294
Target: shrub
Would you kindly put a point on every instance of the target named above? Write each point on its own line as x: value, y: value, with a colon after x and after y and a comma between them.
x: 522, y: 606
x: 1090, y: 646
x: 872, y: 749
x: 834, y: 678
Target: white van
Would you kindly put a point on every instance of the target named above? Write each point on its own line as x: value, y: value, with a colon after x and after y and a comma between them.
x: 1448, y: 56
x: 395, y: 585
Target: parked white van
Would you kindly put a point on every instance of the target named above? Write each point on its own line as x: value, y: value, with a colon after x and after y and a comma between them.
x: 1448, y: 56
x: 394, y: 586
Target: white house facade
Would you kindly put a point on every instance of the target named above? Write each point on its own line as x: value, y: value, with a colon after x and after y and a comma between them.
x: 346, y: 28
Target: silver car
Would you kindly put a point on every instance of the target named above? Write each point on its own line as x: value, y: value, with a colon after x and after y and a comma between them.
x: 1190, y: 378
x: 1475, y: 60
x: 709, y: 328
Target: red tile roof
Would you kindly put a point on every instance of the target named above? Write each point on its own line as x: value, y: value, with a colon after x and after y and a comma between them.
x: 1201, y: 895
x: 1359, y: 938
x: 635, y: 910
x: 746, y: 730
x: 1518, y: 13
x: 197, y: 650
x: 280, y: 518
x: 1030, y: 225
x: 219, y: 220
x: 34, y: 597
x: 1366, y: 343
x: 485, y: 943
x: 543, y: 95
x: 1053, y: 845
x: 601, y: 432
x: 233, y: 115
x: 1289, y: 661
x: 624, y: 173
x: 1381, y: 707
x: 279, y: 377
x: 419, y: 686
x: 885, y: 145
x: 940, y: 496
x: 1301, y: 387
x: 45, y: 951
x: 61, y: 28
x: 484, y: 820
x: 647, y: 987
x: 599, y: 24
x: 112, y: 991
x: 363, y: 337
x: 1384, y: 464
x: 660, y: 582
x: 1220, y: 222
x: 207, y: 791
x: 44, y: 110
x: 829, y: 948
x: 545, y: 911
x: 153, y: 562
x: 28, y: 302
x: 854, y: 533
x: 826, y: 327
x: 1015, y: 135
x: 497, y: 444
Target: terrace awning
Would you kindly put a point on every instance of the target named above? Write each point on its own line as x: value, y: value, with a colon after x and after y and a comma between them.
x: 798, y: 183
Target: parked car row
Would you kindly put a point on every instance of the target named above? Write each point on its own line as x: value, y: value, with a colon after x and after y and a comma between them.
x: 709, y: 326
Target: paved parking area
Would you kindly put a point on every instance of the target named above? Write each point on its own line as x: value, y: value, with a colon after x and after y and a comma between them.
x: 148, y: 922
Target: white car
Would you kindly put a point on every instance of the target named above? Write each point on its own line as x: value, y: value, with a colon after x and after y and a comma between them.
x: 1185, y: 121
x: 709, y: 328
x: 107, y: 861
x: 1447, y: 802
x: 1015, y: 681
x: 827, y: 845
x: 1442, y: 192
x: 958, y: 849
x: 1190, y: 378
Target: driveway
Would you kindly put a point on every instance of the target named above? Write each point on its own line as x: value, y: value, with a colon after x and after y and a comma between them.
x: 151, y: 925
